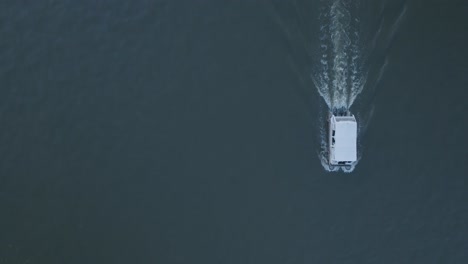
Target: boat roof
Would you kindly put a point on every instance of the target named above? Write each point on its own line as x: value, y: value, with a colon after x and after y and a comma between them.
x: 345, y: 138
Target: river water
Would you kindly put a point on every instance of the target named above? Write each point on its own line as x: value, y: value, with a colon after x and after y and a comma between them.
x: 192, y: 131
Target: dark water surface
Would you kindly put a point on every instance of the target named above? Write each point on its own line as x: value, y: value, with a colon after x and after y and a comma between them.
x: 189, y: 132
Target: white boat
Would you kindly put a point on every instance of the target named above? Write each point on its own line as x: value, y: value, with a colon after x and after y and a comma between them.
x: 342, y: 136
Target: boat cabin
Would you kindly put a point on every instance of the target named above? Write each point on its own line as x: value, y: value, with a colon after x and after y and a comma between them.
x: 342, y: 140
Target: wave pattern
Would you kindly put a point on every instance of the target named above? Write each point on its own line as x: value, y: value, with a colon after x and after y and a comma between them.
x: 339, y: 77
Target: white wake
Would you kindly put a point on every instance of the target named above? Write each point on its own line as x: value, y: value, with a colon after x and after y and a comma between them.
x: 339, y: 77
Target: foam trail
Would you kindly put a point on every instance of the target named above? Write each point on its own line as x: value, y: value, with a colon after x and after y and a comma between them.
x: 339, y: 77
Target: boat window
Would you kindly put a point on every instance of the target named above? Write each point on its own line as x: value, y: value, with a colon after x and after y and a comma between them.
x: 333, y: 141
x: 333, y: 133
